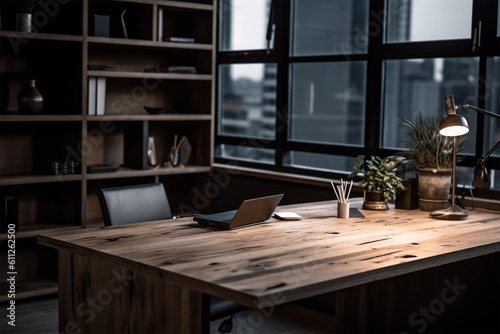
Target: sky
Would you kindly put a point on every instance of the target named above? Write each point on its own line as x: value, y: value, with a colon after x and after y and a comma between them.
x: 451, y: 18
x: 431, y: 20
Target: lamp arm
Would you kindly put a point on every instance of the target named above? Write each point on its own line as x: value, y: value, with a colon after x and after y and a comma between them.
x: 490, y: 152
x: 486, y: 112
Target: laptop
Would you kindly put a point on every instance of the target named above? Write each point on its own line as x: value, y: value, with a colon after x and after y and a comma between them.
x: 251, y: 211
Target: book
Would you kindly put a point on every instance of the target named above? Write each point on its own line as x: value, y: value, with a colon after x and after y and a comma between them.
x: 135, y: 145
x: 102, y: 67
x: 101, y: 169
x: 160, y: 24
x: 101, y: 96
x: 179, y: 39
x: 92, y: 93
x: 181, y: 69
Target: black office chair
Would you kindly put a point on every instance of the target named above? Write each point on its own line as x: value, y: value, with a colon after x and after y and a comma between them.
x: 133, y: 204
x: 148, y: 202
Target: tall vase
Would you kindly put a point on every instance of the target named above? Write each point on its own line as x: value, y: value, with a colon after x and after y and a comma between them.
x: 30, y: 99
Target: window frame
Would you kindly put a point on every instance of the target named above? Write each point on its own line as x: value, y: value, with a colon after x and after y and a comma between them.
x: 484, y: 11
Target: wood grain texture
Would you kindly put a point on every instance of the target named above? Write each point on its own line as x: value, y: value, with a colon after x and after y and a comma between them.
x: 282, y: 261
x: 319, y: 253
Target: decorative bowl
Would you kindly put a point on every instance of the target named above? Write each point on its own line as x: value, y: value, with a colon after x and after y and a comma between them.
x: 153, y: 110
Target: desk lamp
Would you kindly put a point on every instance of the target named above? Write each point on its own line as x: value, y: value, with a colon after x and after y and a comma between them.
x: 455, y: 125
x: 452, y: 125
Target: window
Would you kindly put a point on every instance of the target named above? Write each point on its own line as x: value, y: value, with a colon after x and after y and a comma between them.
x: 322, y: 27
x: 311, y: 84
x: 428, y: 20
x: 419, y: 85
x: 249, y: 98
x: 244, y: 24
x: 327, y: 102
x: 498, y: 21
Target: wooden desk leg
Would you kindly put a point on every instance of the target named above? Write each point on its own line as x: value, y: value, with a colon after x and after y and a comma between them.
x: 349, y: 310
x: 356, y: 311
x: 65, y: 282
x: 98, y: 297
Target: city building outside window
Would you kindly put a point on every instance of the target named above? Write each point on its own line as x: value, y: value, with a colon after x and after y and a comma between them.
x: 304, y: 86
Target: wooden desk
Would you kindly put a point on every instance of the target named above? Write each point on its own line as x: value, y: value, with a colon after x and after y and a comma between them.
x: 151, y: 277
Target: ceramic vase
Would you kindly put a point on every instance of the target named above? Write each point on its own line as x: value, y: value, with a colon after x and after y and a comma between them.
x: 433, y: 188
x: 23, y: 22
x: 30, y: 99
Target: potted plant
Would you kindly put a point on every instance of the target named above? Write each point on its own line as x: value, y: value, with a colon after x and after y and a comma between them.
x: 379, y: 179
x: 23, y: 19
x: 432, y: 155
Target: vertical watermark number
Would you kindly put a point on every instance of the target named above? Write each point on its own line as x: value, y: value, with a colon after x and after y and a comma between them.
x: 11, y: 274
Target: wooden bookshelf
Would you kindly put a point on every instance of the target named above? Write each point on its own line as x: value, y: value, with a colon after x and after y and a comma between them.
x: 57, y: 55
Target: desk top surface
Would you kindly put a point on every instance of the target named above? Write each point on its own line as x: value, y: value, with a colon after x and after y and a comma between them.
x: 283, y: 261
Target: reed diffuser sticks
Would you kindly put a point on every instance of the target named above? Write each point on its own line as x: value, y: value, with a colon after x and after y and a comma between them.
x: 342, y: 191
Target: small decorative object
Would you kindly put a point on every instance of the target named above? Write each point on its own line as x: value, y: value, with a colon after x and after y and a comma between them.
x: 179, y: 152
x: 153, y: 110
x: 343, y: 210
x: 151, y: 151
x: 185, y: 151
x: 30, y: 99
x: 23, y: 20
x: 63, y: 168
x: 124, y: 27
x: 379, y: 180
x: 101, y: 25
x: 173, y: 157
x: 432, y: 155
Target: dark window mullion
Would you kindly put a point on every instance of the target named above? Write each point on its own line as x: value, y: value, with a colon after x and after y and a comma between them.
x: 324, y: 148
x: 433, y: 49
x: 373, y: 80
x: 245, y: 141
x: 484, y: 12
x: 242, y: 57
x: 282, y: 40
x: 328, y: 58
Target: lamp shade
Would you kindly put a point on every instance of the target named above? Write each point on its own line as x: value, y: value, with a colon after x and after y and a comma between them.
x: 453, y: 125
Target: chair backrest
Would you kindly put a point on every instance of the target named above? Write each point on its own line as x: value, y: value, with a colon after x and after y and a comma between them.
x: 133, y: 204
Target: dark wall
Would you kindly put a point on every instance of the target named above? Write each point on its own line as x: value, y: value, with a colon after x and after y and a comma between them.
x: 233, y: 189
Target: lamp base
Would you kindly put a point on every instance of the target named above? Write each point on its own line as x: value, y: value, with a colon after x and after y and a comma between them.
x: 449, y: 214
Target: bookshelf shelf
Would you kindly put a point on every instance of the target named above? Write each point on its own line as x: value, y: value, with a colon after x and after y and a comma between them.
x: 40, y: 36
x: 65, y: 134
x: 154, y: 118
x: 129, y: 173
x: 121, y: 42
x: 149, y: 75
